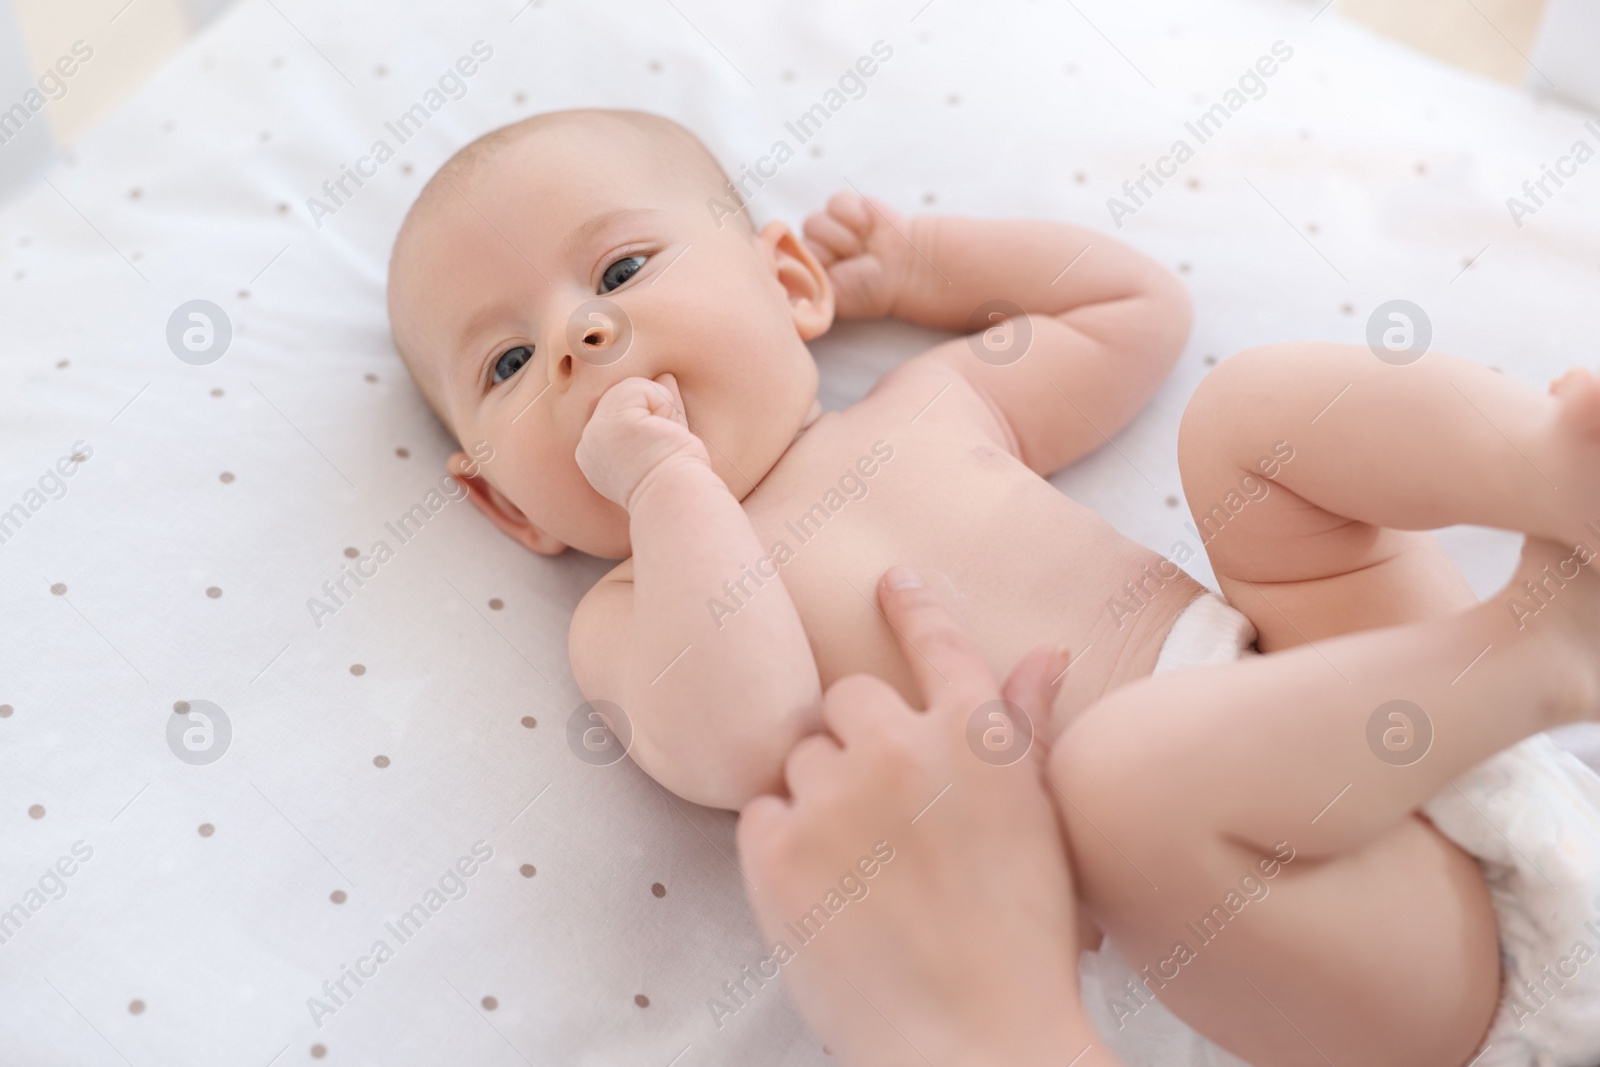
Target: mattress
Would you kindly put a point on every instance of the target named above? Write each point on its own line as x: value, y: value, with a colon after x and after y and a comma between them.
x: 243, y: 828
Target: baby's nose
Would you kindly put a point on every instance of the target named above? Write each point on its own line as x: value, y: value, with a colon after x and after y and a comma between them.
x: 599, y: 333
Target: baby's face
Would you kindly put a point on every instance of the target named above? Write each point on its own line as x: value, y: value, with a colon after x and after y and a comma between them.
x: 490, y: 294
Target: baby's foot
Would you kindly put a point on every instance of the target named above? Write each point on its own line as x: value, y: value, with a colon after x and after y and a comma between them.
x: 1554, y: 598
x: 865, y: 247
x: 1577, y: 441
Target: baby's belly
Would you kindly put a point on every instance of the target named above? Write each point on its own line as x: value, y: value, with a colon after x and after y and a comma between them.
x: 1018, y: 563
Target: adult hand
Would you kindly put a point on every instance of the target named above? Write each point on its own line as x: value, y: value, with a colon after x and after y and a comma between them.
x: 918, y: 895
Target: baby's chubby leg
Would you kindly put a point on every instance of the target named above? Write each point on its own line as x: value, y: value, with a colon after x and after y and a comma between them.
x: 1375, y: 943
x: 1357, y: 452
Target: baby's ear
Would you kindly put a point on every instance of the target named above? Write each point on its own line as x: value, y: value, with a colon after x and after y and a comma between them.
x: 502, y: 512
x: 803, y: 279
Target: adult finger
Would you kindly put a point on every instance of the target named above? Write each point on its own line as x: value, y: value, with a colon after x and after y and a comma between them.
x: 858, y: 703
x: 762, y: 831
x: 947, y: 665
x: 811, y: 760
x: 1032, y: 686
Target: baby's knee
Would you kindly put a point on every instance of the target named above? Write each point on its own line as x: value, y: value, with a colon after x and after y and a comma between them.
x: 1237, y: 385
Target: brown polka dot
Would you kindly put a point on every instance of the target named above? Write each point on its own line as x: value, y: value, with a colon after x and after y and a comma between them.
x: 369, y: 376
x: 528, y: 870
x: 59, y: 589
x: 1183, y: 268
x: 1172, y: 501
x: 380, y: 70
x: 277, y: 62
x: 352, y: 552
x: 952, y: 100
x: 283, y: 209
x: 495, y: 603
x: 206, y: 829
x: 213, y: 591
x: 490, y: 1004
x: 929, y: 198
x: 403, y: 453
x: 1348, y: 309
x: 655, y: 68
x: 1312, y: 227
x: 357, y: 669
x: 529, y: 721
x: 1422, y: 168
x: 338, y: 896
x: 520, y: 99
x: 380, y: 762
x: 641, y: 1000
x: 134, y: 194
x: 136, y: 1007
x: 318, y: 1051
x: 1210, y: 361
x: 658, y: 889
x: 63, y: 364
x: 244, y: 294
x: 6, y: 710
x: 265, y: 136
x: 181, y: 707
x: 405, y: 168
x: 787, y: 76
x: 226, y: 477
x: 816, y: 151
x: 36, y: 811
x: 1193, y: 183
x: 217, y: 391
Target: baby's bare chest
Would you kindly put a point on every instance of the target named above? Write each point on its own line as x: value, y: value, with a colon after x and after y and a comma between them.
x: 1018, y: 562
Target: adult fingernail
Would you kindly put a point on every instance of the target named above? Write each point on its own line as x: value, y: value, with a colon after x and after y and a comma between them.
x: 902, y: 578
x: 1060, y: 661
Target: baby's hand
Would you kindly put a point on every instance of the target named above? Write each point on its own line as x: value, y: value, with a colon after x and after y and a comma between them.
x: 865, y: 247
x: 638, y: 426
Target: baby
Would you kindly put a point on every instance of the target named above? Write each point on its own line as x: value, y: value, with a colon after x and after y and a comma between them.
x: 584, y: 292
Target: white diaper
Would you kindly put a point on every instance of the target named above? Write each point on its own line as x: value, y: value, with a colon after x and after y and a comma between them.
x: 1531, y: 817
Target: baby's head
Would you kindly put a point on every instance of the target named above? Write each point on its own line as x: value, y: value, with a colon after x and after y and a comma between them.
x: 492, y: 287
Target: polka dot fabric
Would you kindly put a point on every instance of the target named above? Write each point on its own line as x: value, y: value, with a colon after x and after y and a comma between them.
x: 266, y: 799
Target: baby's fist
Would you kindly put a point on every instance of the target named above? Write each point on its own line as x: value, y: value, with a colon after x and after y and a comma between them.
x: 862, y: 245
x: 638, y: 426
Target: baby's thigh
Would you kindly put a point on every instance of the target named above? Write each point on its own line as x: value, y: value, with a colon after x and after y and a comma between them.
x: 1298, y: 571
x: 1387, y: 955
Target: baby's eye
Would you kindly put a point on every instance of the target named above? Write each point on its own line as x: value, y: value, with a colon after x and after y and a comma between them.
x: 511, y: 361
x: 620, y: 271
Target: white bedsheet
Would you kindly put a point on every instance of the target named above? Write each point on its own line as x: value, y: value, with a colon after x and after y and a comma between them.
x: 208, y: 901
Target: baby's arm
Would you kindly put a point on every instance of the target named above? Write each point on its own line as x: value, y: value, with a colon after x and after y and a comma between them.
x: 1106, y: 322
x: 713, y: 711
